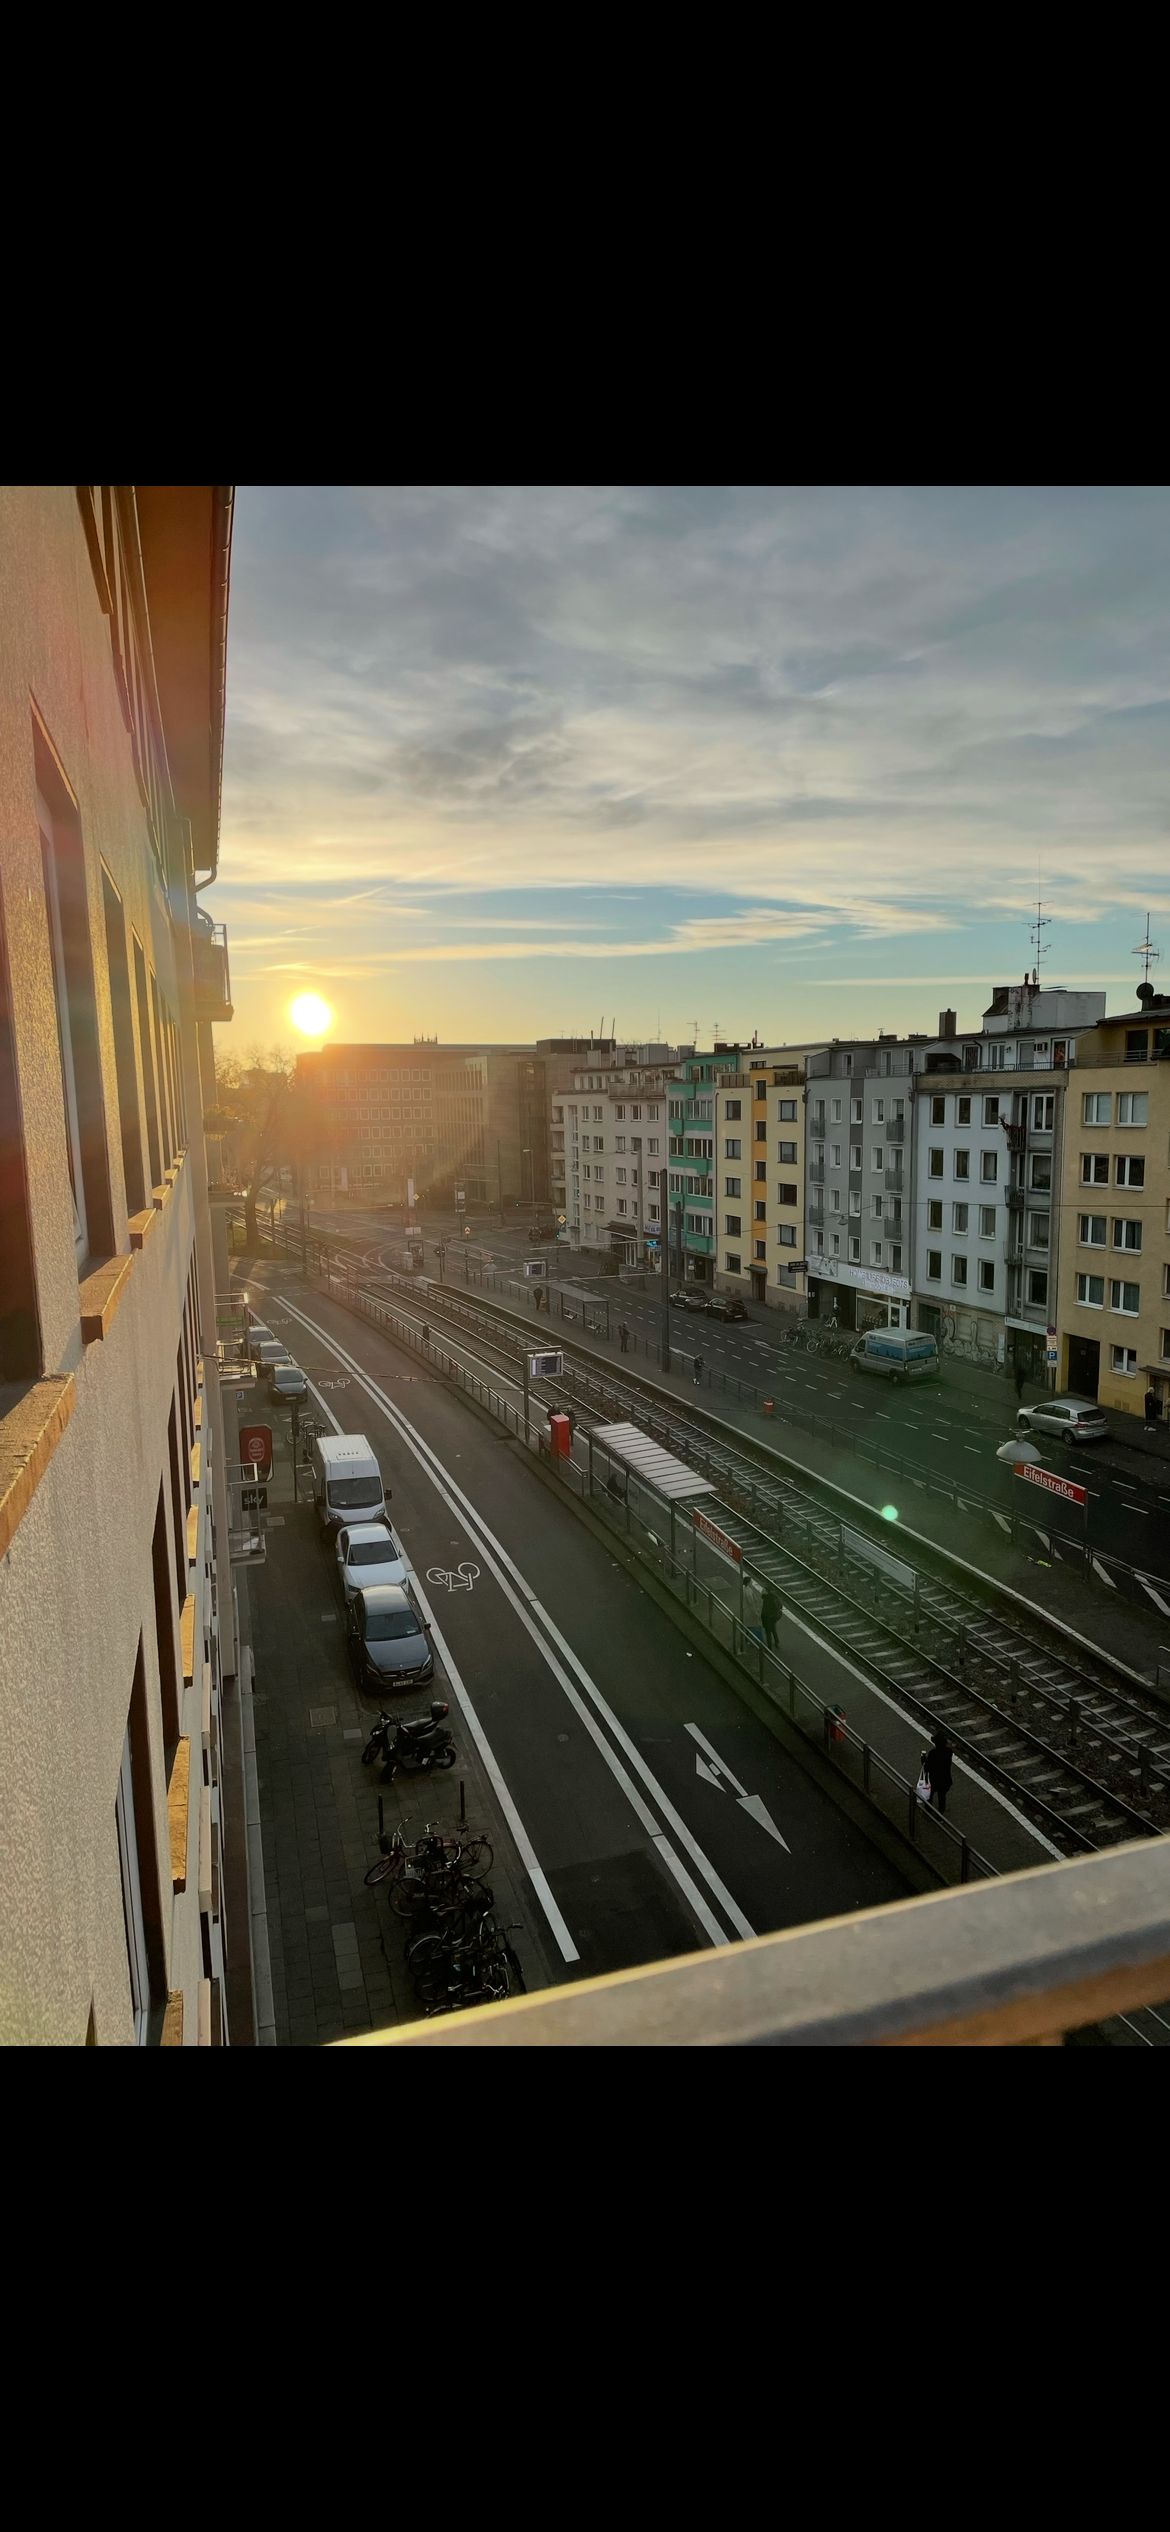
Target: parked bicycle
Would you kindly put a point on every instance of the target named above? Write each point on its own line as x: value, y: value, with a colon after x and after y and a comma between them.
x: 430, y: 1853
x: 479, y: 1966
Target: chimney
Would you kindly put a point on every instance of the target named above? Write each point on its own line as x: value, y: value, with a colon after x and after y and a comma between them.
x: 947, y: 1025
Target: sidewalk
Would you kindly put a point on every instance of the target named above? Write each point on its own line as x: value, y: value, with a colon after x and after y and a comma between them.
x: 993, y: 1393
x: 338, y: 1951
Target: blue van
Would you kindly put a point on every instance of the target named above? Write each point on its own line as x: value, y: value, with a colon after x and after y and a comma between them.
x: 896, y: 1353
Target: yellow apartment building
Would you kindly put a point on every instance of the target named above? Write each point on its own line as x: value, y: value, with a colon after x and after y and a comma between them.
x: 1113, y: 1310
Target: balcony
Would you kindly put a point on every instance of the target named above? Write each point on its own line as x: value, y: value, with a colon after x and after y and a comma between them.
x: 699, y: 1244
x: 1017, y: 1962
x: 209, y: 961
x: 895, y: 1130
x: 816, y: 1173
x: 817, y: 1128
x: 895, y: 1182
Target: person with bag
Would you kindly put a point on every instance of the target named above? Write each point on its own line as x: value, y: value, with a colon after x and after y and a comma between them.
x: 771, y: 1612
x: 936, y: 1771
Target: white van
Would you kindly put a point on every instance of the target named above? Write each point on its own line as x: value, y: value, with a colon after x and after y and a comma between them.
x: 347, y: 1481
x: 896, y: 1353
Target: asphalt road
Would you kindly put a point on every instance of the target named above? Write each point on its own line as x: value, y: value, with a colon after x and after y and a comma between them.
x: 662, y: 1814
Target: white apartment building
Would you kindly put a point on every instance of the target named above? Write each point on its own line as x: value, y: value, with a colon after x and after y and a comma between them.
x: 609, y: 1145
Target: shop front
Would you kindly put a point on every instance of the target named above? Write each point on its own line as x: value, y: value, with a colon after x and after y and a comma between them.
x: 857, y: 1296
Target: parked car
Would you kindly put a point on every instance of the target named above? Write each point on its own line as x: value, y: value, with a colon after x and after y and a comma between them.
x: 287, y: 1380
x: 1073, y: 1419
x: 368, y: 1555
x: 725, y: 1305
x: 270, y: 1351
x: 256, y: 1336
x: 388, y: 1643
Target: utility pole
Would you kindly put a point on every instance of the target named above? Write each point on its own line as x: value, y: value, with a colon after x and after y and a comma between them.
x: 441, y: 1252
x: 664, y: 1304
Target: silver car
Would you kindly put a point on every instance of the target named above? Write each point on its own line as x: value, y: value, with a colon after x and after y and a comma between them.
x: 1073, y: 1419
x: 368, y: 1553
x: 388, y: 1643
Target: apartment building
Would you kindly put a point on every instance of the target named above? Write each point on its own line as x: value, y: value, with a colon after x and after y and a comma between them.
x: 760, y: 1177
x: 442, y: 1118
x: 1113, y: 1300
x: 609, y: 1136
x: 118, y: 1842
x: 860, y: 1102
x: 986, y: 1177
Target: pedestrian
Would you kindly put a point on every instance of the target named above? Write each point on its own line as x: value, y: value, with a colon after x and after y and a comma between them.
x: 624, y: 1337
x: 1019, y: 1381
x: 698, y: 1369
x: 936, y: 1767
x: 1153, y: 1407
x: 771, y: 1612
x: 426, y: 1334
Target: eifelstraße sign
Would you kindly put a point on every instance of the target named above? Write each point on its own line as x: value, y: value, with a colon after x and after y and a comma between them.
x: 1063, y: 1487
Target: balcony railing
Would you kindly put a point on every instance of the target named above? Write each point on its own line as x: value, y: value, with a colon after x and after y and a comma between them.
x: 817, y: 1128
x: 816, y: 1173
x: 895, y: 1182
x: 1016, y: 1962
x: 212, y: 977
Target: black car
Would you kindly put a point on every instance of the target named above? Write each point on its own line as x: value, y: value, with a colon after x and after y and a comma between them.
x: 725, y: 1305
x: 388, y: 1642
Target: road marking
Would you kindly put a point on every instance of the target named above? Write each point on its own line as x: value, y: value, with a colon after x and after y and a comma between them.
x: 1156, y: 1596
x: 456, y: 1578
x: 1103, y: 1571
x: 496, y: 1557
x: 751, y: 1803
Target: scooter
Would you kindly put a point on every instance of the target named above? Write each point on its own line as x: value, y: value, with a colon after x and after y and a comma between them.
x: 414, y: 1744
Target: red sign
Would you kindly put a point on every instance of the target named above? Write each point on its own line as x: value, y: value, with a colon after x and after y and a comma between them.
x: 256, y: 1444
x: 718, y: 1539
x: 1062, y: 1486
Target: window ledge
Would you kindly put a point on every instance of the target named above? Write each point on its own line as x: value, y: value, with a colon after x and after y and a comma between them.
x: 178, y: 1804
x: 29, y: 1434
x: 100, y: 1294
x: 172, y: 2029
x: 187, y: 1638
x: 139, y: 1224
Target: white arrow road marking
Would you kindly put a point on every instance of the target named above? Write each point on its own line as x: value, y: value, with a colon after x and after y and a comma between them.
x: 708, y: 1775
x: 1155, y: 1596
x: 753, y: 1804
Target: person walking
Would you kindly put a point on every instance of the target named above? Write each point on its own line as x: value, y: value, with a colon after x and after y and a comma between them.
x: 1019, y: 1381
x: 936, y: 1767
x: 771, y: 1612
x: 426, y: 1333
x: 624, y: 1337
x: 1153, y: 1408
x: 697, y: 1368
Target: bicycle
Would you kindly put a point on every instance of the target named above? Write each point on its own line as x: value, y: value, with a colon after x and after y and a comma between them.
x: 430, y: 1852
x: 478, y: 1969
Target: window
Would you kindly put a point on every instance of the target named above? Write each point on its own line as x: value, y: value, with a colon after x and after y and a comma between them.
x: 760, y: 1251
x: 938, y: 1111
x: 836, y: 1243
x: 1091, y: 1291
x: 1040, y: 1170
x: 855, y: 1251
x: 991, y: 1111
x: 731, y: 1263
x: 834, y: 1156
x: 934, y: 1265
x: 786, y: 1111
x: 1132, y: 1107
x: 1166, y: 1283
x: 733, y: 1148
x: 1137, y: 1045
x: 1127, y: 1234
x: 877, y: 1158
x: 760, y: 1171
x: 1123, y: 1359
x: 1094, y: 1169
x: 962, y: 1164
x: 958, y: 1270
x: 733, y: 1226
x: 935, y: 1161
x: 71, y: 966
x: 835, y: 1112
x: 989, y: 1168
x: 786, y: 1191
x: 986, y: 1275
x: 1165, y: 1344
x: 1091, y: 1230
x: 855, y: 1156
x: 786, y: 1235
x: 1126, y: 1297
x: 1130, y: 1169
x: 619, y: 1141
x: 1097, y: 1107
x: 934, y: 1214
x: 876, y: 1207
x: 819, y: 1242
x: 733, y: 1186
x: 761, y: 1132
x: 1039, y: 1227
x: 855, y: 1200
x: 621, y: 1204
x: 856, y: 1111
x: 878, y: 1111
x: 786, y: 1155
x: 652, y: 1144
x: 20, y: 1335
x: 1043, y: 1109
x: 962, y: 1111
x: 959, y: 1213
x: 620, y: 1177
x: 875, y: 1252
x: 760, y: 1213
x: 597, y: 1115
x: 1038, y: 1286
x: 896, y: 1259
x: 987, y: 1221
x: 733, y: 1110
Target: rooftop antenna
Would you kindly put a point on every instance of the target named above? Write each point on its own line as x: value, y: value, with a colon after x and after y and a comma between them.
x: 1038, y: 930
x: 1147, y: 953
x: 694, y: 1029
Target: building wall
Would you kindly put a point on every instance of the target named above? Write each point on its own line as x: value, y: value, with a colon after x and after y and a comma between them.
x: 1134, y: 1347
x: 761, y: 1231
x: 92, y: 1631
x: 959, y: 1265
x: 860, y: 1138
x: 615, y: 1130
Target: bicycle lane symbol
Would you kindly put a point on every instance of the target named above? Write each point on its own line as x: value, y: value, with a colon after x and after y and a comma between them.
x: 457, y: 1578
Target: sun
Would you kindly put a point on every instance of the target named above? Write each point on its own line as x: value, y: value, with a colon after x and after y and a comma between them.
x: 310, y: 1015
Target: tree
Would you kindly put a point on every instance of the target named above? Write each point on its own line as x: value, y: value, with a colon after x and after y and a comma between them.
x: 256, y: 1112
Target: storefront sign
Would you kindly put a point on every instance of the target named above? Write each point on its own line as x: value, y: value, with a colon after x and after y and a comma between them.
x: 863, y: 1278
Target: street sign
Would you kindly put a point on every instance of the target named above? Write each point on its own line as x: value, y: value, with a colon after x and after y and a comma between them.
x: 535, y: 1269
x: 1052, y: 1354
x: 546, y: 1366
x: 717, y: 1538
x: 256, y: 1444
x: 460, y: 1197
x: 1062, y: 1487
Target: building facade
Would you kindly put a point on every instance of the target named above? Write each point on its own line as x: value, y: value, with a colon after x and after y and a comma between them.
x: 760, y: 1178
x: 1113, y: 1308
x: 445, y: 1119
x: 609, y: 1140
x: 116, y: 1606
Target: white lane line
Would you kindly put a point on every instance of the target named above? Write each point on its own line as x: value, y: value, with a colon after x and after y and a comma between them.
x: 496, y: 1556
x: 1139, y: 1508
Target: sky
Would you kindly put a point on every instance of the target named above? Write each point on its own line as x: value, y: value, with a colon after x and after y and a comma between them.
x: 503, y: 763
